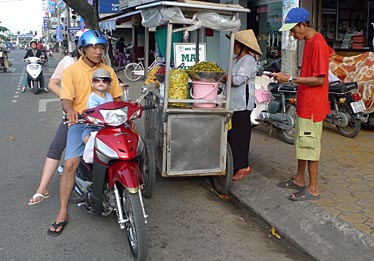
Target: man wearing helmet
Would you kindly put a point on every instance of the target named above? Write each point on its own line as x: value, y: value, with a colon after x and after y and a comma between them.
x: 75, y: 90
x: 33, y: 52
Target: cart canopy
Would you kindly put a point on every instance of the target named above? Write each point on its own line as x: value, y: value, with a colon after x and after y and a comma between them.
x: 196, y: 14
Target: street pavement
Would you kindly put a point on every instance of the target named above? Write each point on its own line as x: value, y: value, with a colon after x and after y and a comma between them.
x: 338, y: 226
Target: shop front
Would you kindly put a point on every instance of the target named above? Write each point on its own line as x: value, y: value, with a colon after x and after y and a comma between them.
x: 347, y: 25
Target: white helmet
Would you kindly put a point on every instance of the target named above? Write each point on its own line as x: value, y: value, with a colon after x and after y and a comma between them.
x: 79, y: 33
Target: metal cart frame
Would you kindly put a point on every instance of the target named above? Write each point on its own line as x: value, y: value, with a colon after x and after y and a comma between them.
x: 191, y: 141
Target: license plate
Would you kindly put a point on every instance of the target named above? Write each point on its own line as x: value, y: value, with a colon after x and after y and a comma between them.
x: 358, y: 106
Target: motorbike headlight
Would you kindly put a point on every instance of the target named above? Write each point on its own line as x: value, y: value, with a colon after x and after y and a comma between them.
x: 34, y: 66
x: 115, y: 117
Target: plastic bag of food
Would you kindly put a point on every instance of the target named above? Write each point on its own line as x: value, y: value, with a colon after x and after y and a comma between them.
x: 178, y: 86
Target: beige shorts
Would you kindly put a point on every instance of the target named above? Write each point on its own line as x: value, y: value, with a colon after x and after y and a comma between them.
x: 308, y: 139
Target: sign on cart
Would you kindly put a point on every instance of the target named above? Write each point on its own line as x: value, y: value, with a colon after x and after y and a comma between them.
x: 186, y: 53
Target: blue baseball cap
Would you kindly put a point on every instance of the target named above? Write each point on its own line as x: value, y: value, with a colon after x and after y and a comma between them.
x: 294, y: 16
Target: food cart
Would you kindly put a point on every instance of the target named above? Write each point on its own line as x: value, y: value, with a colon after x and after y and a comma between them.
x: 188, y: 139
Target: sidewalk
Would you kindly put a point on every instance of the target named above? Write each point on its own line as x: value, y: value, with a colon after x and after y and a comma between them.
x: 339, y: 226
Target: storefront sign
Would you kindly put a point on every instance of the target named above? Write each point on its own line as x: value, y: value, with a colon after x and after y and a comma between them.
x: 186, y: 53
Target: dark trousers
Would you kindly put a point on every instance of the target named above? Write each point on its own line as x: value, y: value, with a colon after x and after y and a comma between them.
x: 239, y: 138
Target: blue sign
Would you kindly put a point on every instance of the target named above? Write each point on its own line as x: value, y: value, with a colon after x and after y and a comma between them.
x: 59, y: 33
x: 109, y: 6
x: 45, y: 23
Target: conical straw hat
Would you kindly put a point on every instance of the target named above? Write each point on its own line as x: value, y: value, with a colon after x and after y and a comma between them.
x: 248, y: 38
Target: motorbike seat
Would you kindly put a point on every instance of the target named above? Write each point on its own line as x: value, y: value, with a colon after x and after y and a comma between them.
x: 342, y: 87
x: 273, y: 87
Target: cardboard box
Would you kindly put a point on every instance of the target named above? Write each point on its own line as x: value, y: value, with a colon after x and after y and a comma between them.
x: 358, y: 39
x: 358, y: 45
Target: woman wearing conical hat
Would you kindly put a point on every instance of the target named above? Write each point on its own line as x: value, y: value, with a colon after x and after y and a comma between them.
x: 242, y: 99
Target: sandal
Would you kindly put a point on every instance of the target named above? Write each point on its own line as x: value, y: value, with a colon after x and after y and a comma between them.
x: 38, y: 197
x: 55, y: 233
x: 303, y: 195
x: 290, y: 185
x: 240, y: 174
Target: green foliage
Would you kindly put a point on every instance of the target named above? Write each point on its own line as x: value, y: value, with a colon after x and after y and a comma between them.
x: 3, y: 29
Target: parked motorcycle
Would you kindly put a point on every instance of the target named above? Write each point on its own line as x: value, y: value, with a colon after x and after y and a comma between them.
x: 122, y: 172
x: 34, y: 73
x: 3, y: 54
x: 346, y: 108
x: 278, y: 110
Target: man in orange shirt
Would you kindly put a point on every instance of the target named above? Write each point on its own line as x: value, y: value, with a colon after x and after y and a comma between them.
x: 75, y: 90
x: 312, y: 102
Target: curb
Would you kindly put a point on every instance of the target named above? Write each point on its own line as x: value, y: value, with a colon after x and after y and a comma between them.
x: 307, y: 226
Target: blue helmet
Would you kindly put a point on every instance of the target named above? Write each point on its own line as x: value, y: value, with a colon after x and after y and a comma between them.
x: 90, y: 38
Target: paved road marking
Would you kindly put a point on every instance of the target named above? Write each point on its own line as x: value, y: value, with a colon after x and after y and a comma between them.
x: 43, y: 103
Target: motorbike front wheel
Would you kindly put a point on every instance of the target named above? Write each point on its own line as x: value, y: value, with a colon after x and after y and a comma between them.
x: 130, y: 72
x: 354, y: 125
x: 35, y: 86
x: 288, y: 136
x: 135, y: 224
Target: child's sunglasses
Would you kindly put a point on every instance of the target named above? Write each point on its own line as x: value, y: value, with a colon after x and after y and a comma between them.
x: 105, y: 80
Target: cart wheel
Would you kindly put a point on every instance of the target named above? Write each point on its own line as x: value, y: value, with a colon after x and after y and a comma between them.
x: 149, y: 169
x: 222, y: 184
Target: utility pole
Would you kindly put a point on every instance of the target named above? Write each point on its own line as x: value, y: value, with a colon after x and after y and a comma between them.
x: 289, y: 44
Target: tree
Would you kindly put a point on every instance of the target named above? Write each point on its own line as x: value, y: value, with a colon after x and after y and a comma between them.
x: 88, y: 12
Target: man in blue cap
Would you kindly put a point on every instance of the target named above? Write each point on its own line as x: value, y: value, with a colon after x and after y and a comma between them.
x: 312, y: 102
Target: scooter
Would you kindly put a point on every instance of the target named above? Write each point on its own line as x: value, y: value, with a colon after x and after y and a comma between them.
x: 34, y: 73
x: 346, y: 108
x: 279, y: 110
x: 122, y: 172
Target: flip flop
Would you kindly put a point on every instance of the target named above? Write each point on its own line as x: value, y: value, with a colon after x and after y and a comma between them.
x: 38, y: 195
x: 240, y: 174
x: 303, y: 195
x: 290, y: 185
x: 57, y: 225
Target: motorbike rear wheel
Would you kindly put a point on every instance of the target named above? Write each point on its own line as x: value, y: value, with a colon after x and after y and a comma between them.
x: 289, y: 136
x: 135, y: 224
x: 149, y: 169
x: 222, y: 184
x: 354, y: 125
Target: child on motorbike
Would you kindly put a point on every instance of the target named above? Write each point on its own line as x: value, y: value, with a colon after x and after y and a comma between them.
x: 101, y: 81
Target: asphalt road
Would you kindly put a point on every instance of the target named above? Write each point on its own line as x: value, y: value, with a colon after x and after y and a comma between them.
x: 187, y: 220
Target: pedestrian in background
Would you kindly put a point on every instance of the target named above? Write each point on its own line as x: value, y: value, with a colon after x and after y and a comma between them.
x: 242, y: 99
x: 120, y: 49
x: 312, y: 102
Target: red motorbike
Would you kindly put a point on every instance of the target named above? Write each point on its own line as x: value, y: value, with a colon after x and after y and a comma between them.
x: 122, y: 172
